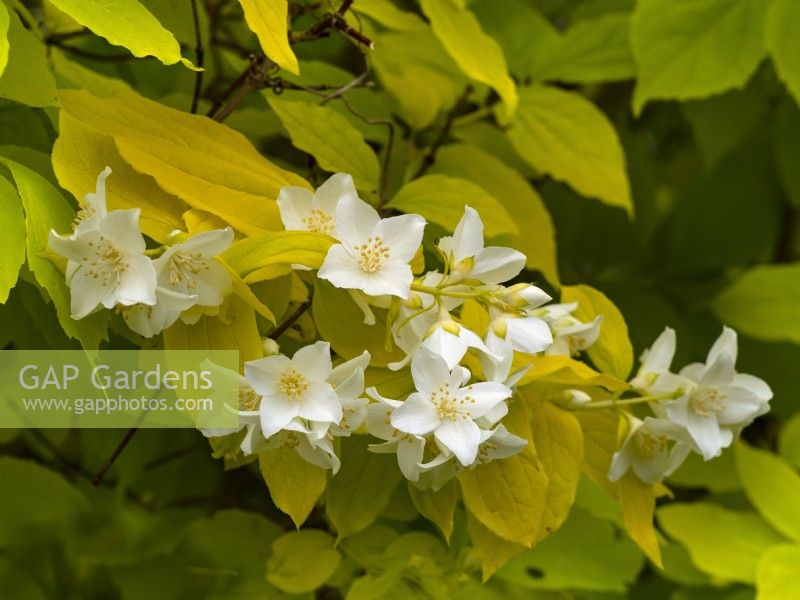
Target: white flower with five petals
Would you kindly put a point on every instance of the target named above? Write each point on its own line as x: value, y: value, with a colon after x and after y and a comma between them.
x: 653, y: 448
x: 93, y: 206
x: 304, y: 210
x: 374, y: 253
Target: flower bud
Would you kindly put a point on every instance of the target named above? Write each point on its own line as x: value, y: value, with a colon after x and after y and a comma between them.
x: 271, y: 347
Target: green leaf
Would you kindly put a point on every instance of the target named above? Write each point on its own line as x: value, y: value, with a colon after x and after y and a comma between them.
x: 330, y: 139
x: 12, y: 237
x: 269, y: 21
x: 26, y: 78
x: 718, y: 475
x: 438, y: 507
x: 208, y: 165
x: 724, y: 543
x: 341, y: 322
x: 585, y: 554
x: 256, y: 258
x: 294, y: 484
x: 785, y: 133
x: 778, y: 577
x: 493, y: 551
x: 518, y: 197
x: 362, y: 488
x: 763, y: 303
x: 5, y: 21
x: 478, y: 55
x: 789, y: 441
x: 126, y: 23
x: 441, y: 199
x: 694, y: 49
x: 782, y: 36
x: 638, y: 502
x: 46, y: 209
x: 302, y: 561
x: 612, y: 352
x: 773, y: 487
x: 566, y: 136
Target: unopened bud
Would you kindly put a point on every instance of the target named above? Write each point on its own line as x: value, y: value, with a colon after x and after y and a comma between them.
x: 271, y: 347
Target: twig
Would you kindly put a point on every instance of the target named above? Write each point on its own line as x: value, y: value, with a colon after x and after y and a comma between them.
x: 199, y: 57
x: 430, y: 156
x: 123, y: 443
x: 291, y: 319
x: 92, y: 55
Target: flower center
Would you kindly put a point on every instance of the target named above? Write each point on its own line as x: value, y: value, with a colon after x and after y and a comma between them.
x: 293, y: 384
x: 184, y: 266
x: 319, y: 221
x: 84, y: 213
x: 372, y: 254
x: 248, y: 399
x: 450, y: 406
x: 707, y: 401
x: 575, y: 344
x: 648, y: 443
x: 106, y: 263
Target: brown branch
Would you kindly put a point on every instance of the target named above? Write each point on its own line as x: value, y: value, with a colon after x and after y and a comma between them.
x: 430, y: 155
x: 123, y: 443
x: 199, y: 58
x: 291, y: 320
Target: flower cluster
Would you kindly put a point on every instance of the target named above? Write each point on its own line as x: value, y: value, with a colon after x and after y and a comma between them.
x: 702, y: 408
x: 109, y: 265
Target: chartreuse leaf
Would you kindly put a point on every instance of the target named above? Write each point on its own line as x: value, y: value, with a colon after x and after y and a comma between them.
x: 718, y: 475
x: 563, y: 370
x: 789, y: 441
x: 388, y: 15
x: 26, y: 78
x: 694, y: 49
x: 778, y: 577
x: 234, y: 329
x: 294, y: 484
x: 763, y: 303
x: 773, y: 487
x: 5, y: 21
x: 82, y: 152
x: 638, y: 502
x: 208, y: 165
x: 566, y: 136
x: 330, y: 139
x: 441, y: 199
x: 493, y: 551
x: 477, y: 55
x: 12, y: 236
x: 782, y: 35
x: 585, y: 554
x: 269, y: 21
x: 724, y: 543
x: 438, y: 507
x: 302, y: 561
x: 46, y: 209
x: 251, y: 257
x: 524, y: 205
x: 362, y: 488
x: 601, y: 433
x: 612, y: 353
x: 126, y: 23
x: 341, y: 322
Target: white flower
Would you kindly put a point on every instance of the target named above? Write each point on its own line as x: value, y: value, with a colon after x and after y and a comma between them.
x: 190, y: 267
x: 719, y: 402
x: 93, y: 207
x: 451, y: 340
x: 296, y: 387
x: 374, y: 253
x: 497, y: 363
x: 654, y: 376
x: 347, y: 380
x: 148, y: 320
x: 647, y: 450
x: 410, y: 449
x: 570, y: 336
x: 527, y: 334
x: 108, y: 264
x: 443, y: 407
x: 303, y: 210
x: 468, y: 258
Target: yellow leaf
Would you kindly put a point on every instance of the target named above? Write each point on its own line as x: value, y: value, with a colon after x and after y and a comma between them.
x: 198, y: 221
x: 438, y: 507
x: 612, y: 353
x: 26, y: 77
x: 601, y: 432
x: 251, y: 256
x: 506, y: 495
x: 82, y: 152
x: 268, y: 19
x: 294, y: 484
x: 568, y: 137
x: 237, y: 331
x: 563, y: 370
x: 330, y: 138
x: 778, y: 577
x: 476, y: 53
x: 493, y: 551
x: 441, y: 199
x: 638, y: 502
x: 302, y: 561
x: 208, y: 165
x: 244, y: 293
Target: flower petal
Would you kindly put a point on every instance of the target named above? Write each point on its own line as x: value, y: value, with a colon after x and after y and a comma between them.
x: 726, y: 343
x: 462, y: 437
x: 468, y: 235
x: 496, y: 264
x: 402, y: 234
x: 320, y: 403
x: 429, y: 371
x: 410, y: 451
x: 479, y: 398
x: 276, y: 412
x: 331, y: 192
x: 294, y: 204
x: 121, y: 227
x: 263, y: 374
x: 529, y: 334
x: 137, y: 284
x: 394, y: 278
x: 720, y: 372
x: 342, y: 270
x: 417, y: 415
x: 355, y: 220
x: 314, y: 361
